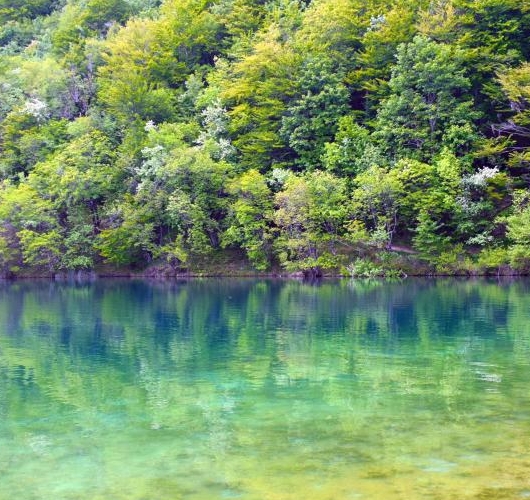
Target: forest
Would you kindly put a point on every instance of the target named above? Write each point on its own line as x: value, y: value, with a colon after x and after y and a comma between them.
x: 357, y: 137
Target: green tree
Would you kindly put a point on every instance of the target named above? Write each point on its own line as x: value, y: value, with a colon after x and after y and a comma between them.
x: 42, y: 248
x: 30, y: 227
x: 310, y: 213
x: 127, y: 234
x: 334, y: 28
x: 490, y: 33
x: 257, y: 89
x: 484, y: 194
x: 428, y: 101
x: 17, y: 9
x: 352, y: 150
x: 82, y: 20
x: 515, y: 83
x: 240, y: 17
x: 250, y: 216
x: 376, y: 201
x: 518, y: 232
x: 128, y: 83
x: 392, y: 25
x: 311, y: 120
x: 428, y: 239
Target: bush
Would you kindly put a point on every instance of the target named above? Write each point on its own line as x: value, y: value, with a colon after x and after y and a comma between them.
x: 363, y: 268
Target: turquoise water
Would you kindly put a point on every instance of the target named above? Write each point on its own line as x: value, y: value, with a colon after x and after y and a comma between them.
x: 266, y: 390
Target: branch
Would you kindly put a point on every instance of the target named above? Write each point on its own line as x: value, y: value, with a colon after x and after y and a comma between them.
x: 510, y: 127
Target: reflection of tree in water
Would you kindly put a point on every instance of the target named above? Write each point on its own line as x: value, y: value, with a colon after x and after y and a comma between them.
x: 236, y: 368
x: 197, y: 324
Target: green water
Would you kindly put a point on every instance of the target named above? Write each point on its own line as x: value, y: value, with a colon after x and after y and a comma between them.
x: 266, y: 390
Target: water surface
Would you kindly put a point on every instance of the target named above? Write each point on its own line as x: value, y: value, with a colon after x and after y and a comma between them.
x: 265, y: 390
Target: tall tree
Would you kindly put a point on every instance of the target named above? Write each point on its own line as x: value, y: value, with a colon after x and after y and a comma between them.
x: 429, y: 104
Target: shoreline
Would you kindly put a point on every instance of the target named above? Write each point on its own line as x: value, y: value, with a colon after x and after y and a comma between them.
x: 129, y: 275
x: 226, y: 265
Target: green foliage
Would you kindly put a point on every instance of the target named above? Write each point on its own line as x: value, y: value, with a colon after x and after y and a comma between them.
x: 293, y: 132
x: 365, y: 268
x: 450, y: 261
x: 481, y: 194
x: 427, y: 240
x: 127, y: 84
x: 79, y: 247
x: 128, y: 239
x: 352, y: 151
x: 174, y: 253
x: 41, y: 248
x: 515, y: 83
x: 491, y: 34
x: 311, y: 120
x: 376, y: 200
x: 334, y: 28
x: 428, y: 101
x: 240, y: 17
x: 493, y: 259
x: 518, y: 233
x: 257, y: 88
x: 250, y: 218
x: 26, y: 142
x: 310, y: 212
x: 388, y: 29
x: 79, y: 21
x: 80, y: 173
x: 17, y: 9
x: 10, y: 258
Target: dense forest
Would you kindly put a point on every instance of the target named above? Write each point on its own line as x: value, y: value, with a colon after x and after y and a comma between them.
x: 356, y: 136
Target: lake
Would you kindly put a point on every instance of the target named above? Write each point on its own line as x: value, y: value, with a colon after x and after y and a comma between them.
x: 265, y: 390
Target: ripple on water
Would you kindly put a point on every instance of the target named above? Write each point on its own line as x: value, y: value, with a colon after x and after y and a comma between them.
x: 438, y: 465
x: 265, y: 390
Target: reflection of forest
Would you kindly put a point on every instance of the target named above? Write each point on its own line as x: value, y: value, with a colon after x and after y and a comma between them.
x: 229, y: 367
x: 272, y: 333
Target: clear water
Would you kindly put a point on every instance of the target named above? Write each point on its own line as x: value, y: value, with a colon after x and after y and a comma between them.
x: 266, y: 390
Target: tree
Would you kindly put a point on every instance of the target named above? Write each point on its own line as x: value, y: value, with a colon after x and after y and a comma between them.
x: 428, y: 100
x: 483, y: 195
x: 490, y: 33
x: 376, y: 200
x: 17, y: 9
x: 81, y: 173
x: 250, y: 217
x: 256, y: 90
x: 515, y: 83
x: 30, y: 227
x: 352, y: 150
x: 240, y: 17
x: 27, y: 142
x: 42, y: 248
x: 334, y: 28
x: 428, y: 240
x: 518, y: 232
x: 178, y: 191
x: 80, y: 24
x: 394, y: 24
x: 311, y: 120
x: 310, y: 213
x: 128, y: 85
x: 127, y: 237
